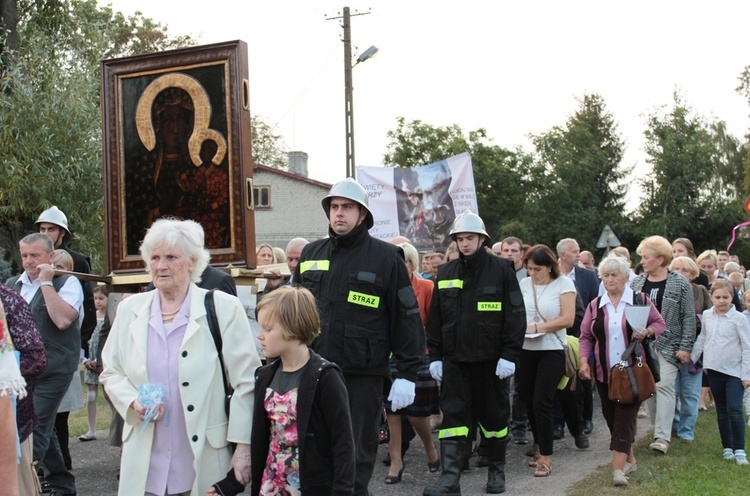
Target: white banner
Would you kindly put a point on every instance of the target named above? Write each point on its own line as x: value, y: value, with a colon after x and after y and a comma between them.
x: 419, y: 203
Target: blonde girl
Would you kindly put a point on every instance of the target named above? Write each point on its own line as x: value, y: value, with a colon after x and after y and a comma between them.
x: 725, y: 346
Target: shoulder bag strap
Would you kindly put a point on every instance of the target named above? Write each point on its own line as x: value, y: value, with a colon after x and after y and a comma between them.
x: 536, y: 302
x: 213, y: 325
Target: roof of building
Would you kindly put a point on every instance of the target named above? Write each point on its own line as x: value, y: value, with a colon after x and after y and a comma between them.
x: 290, y: 175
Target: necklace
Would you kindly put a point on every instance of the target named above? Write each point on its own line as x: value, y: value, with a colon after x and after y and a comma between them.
x: 167, y: 315
x: 538, y: 317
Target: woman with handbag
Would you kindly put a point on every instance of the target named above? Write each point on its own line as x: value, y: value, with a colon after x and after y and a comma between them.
x: 690, y: 376
x: 673, y: 297
x: 606, y: 332
x: 550, y: 302
x: 163, y: 337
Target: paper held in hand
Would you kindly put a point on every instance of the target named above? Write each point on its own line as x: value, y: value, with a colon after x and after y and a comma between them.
x: 637, y: 316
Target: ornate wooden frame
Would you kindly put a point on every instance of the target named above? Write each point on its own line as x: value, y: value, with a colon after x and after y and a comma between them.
x: 207, y: 100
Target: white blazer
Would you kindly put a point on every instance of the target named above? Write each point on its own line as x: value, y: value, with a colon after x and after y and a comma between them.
x: 124, y: 360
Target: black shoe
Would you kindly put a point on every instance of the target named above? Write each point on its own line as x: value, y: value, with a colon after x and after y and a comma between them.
x: 395, y: 479
x: 559, y: 432
x: 520, y: 437
x: 451, y: 455
x: 587, y: 427
x: 582, y: 441
x: 44, y: 485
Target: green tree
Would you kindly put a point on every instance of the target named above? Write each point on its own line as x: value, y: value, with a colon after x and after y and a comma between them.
x: 268, y: 147
x: 692, y: 190
x: 50, y: 119
x: 498, y: 172
x: 578, y: 180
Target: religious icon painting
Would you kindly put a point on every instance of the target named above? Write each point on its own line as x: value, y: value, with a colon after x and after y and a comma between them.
x: 176, y: 140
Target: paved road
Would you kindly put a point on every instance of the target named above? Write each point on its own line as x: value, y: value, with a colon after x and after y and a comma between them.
x: 96, y: 464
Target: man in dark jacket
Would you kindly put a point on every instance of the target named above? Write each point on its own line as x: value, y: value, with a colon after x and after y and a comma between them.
x: 367, y: 311
x: 475, y: 332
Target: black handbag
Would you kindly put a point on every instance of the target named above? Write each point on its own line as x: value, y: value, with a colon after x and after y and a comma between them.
x: 649, y: 346
x: 384, y: 433
x: 213, y: 325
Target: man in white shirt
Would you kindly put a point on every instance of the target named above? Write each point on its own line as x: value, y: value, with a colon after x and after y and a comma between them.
x: 54, y: 301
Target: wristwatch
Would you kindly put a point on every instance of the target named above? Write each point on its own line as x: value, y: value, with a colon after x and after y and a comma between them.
x: 46, y: 283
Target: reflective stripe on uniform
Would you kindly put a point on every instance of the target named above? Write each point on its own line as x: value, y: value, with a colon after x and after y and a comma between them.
x: 363, y: 299
x: 450, y: 283
x: 493, y: 434
x: 490, y: 306
x: 314, y: 265
x: 454, y: 432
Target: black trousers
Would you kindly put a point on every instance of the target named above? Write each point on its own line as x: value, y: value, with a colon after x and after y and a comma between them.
x: 48, y: 393
x: 569, y: 407
x: 366, y: 405
x: 541, y: 372
x: 469, y: 391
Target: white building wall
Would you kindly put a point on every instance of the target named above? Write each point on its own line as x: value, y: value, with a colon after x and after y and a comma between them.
x: 295, y: 210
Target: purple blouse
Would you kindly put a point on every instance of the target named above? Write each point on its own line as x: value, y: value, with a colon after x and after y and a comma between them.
x: 171, y: 468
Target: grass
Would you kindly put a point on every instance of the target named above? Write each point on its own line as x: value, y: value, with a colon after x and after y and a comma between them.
x: 689, y: 468
x: 78, y: 423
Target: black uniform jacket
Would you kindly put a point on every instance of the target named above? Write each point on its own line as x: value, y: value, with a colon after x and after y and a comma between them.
x: 366, y: 303
x: 477, y: 312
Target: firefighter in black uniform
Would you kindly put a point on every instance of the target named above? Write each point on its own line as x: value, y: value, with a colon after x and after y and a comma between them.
x: 367, y: 311
x: 475, y: 332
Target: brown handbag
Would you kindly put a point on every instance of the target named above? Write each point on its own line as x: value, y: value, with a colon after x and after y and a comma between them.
x: 630, y: 384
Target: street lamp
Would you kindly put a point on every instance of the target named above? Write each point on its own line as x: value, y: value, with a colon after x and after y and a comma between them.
x: 348, y: 88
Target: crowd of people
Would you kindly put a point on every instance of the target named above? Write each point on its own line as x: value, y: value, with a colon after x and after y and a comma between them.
x: 483, y: 344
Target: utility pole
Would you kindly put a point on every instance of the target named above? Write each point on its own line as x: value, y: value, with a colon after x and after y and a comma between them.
x: 348, y: 89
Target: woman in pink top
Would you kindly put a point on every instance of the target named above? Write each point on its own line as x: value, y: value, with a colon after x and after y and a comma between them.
x: 607, y: 333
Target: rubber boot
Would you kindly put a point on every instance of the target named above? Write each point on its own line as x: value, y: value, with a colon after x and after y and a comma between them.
x: 496, y: 471
x: 451, y: 455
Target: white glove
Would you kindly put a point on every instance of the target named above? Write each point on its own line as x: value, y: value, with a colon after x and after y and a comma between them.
x: 402, y: 394
x: 505, y: 368
x: 436, y: 370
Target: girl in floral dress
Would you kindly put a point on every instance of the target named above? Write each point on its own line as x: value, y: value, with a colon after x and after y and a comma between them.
x: 302, y: 440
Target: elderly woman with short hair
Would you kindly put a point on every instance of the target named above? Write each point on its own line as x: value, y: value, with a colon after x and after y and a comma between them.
x: 673, y: 297
x: 606, y: 332
x: 162, y: 337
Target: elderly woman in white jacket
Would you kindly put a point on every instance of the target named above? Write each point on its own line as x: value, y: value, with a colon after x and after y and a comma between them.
x: 162, y: 337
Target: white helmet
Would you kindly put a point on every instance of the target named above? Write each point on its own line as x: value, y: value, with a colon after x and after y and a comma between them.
x: 469, y: 222
x: 351, y: 190
x: 54, y: 215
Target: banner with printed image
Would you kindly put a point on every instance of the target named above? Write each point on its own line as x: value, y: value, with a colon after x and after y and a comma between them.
x: 419, y: 203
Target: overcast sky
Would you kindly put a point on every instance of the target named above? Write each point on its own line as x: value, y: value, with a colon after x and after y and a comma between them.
x: 513, y: 68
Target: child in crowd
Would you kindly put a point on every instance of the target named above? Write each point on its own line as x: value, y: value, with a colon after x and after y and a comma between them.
x: 302, y: 434
x: 725, y: 345
x: 738, y: 282
x: 93, y: 368
x: 746, y: 313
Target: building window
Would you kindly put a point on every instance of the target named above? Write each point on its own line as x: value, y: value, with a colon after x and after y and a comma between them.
x: 262, y: 196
